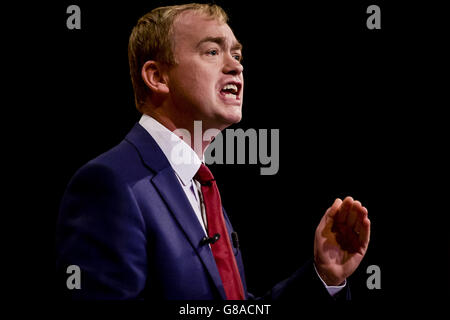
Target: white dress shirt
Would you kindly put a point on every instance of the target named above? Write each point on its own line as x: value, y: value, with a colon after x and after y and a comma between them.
x: 185, y: 166
x: 185, y: 162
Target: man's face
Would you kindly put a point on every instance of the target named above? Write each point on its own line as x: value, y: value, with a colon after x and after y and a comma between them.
x: 207, y: 82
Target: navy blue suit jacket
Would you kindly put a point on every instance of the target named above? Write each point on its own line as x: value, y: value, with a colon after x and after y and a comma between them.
x: 127, y: 223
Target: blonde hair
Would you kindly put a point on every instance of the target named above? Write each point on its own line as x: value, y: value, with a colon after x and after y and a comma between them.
x: 151, y: 39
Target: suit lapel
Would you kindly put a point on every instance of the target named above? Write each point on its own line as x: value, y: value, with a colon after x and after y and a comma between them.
x: 167, y: 184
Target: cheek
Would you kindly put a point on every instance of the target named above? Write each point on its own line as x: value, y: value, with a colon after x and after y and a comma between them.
x: 195, y: 82
x: 191, y: 87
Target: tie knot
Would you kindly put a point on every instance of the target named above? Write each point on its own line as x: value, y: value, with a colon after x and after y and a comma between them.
x: 203, y: 175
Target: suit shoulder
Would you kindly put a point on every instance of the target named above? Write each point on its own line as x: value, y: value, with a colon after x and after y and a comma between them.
x: 122, y: 162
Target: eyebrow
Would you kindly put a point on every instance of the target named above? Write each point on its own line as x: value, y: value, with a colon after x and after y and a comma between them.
x: 221, y: 42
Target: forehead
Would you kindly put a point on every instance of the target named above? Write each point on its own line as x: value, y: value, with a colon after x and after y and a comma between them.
x: 191, y: 27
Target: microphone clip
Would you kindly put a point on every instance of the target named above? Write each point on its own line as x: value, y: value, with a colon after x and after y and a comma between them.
x: 210, y: 240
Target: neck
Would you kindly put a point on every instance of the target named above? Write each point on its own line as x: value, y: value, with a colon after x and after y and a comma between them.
x: 190, y: 131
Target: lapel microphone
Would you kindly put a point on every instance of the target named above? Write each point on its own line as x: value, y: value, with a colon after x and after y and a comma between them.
x: 235, y: 239
x: 210, y: 240
x: 214, y: 238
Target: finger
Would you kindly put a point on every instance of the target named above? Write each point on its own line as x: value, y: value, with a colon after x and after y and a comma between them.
x: 359, y: 224
x: 364, y: 236
x: 334, y: 208
x: 361, y: 213
x: 353, y: 214
x: 341, y: 215
x: 366, y: 211
x: 358, y: 227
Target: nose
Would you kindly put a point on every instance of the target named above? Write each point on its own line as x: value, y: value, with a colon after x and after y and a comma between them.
x: 232, y: 66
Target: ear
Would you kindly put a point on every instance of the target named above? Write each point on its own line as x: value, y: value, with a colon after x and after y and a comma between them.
x: 153, y: 76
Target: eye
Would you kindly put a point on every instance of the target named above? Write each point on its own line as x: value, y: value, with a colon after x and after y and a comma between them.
x: 238, y: 57
x: 213, y: 52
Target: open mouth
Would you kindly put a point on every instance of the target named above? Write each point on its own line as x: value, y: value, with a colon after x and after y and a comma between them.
x: 231, y: 90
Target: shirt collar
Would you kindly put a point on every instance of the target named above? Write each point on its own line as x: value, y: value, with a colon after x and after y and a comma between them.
x: 184, y: 161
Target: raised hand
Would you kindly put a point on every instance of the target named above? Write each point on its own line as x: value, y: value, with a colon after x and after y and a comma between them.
x: 341, y: 240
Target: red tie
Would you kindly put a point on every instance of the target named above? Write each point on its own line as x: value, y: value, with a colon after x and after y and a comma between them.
x: 222, y: 251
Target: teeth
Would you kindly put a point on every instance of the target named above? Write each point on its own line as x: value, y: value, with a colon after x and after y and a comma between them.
x: 231, y: 87
x: 230, y: 95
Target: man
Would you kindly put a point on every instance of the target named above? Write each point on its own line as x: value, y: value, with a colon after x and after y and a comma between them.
x: 141, y: 224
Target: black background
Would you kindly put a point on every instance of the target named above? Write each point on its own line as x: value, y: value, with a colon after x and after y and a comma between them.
x: 358, y: 112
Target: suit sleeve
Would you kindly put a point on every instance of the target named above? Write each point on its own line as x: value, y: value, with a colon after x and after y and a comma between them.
x: 100, y: 229
x: 303, y: 286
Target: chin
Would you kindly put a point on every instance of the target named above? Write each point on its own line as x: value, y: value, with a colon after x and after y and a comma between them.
x: 233, y: 116
x: 225, y: 116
